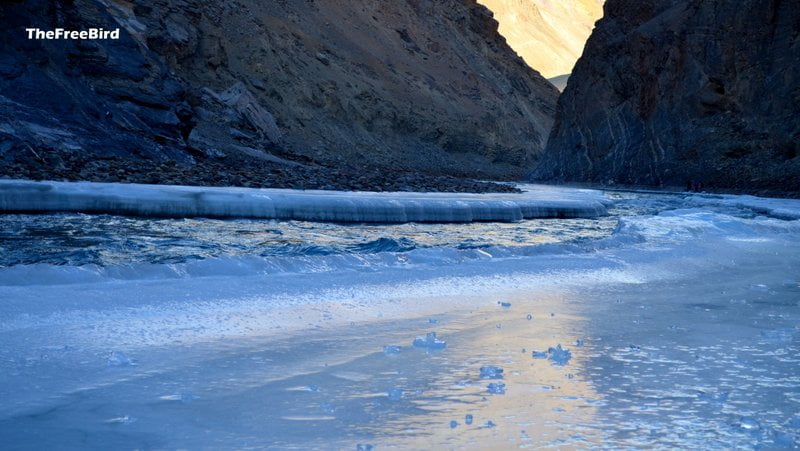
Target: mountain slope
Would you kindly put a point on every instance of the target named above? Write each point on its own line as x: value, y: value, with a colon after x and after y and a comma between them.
x: 548, y: 34
x: 267, y: 93
x: 670, y: 91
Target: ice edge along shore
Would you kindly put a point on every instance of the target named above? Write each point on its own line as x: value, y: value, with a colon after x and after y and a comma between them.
x: 331, y: 206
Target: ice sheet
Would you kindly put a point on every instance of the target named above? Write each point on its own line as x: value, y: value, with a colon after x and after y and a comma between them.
x: 334, y: 206
x: 780, y: 208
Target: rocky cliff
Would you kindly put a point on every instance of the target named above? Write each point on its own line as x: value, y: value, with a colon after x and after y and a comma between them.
x: 669, y: 91
x: 312, y: 93
x: 549, y: 35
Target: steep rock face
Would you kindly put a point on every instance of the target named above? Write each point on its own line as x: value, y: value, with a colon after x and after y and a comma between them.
x: 548, y: 34
x: 669, y: 91
x: 257, y: 87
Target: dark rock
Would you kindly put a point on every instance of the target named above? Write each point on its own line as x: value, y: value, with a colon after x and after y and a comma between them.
x: 669, y: 91
x: 240, y: 99
x: 330, y: 89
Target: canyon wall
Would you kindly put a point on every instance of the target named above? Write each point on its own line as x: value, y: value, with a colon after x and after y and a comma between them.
x: 672, y: 91
x: 296, y: 93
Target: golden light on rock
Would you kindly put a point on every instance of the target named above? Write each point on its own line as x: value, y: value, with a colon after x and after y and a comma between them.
x: 549, y: 35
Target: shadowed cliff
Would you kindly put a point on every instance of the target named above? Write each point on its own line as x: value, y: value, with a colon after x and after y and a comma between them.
x: 669, y: 91
x: 317, y: 93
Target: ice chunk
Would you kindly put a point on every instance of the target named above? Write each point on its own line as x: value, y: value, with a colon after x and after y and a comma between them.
x: 468, y: 419
x: 392, y: 350
x: 331, y: 206
x: 496, y: 388
x: 489, y: 424
x: 530, y: 317
x: 395, y: 394
x: 559, y: 355
x: 491, y: 372
x: 539, y: 355
x: 504, y: 304
x: 179, y: 397
x: 453, y: 424
x: 579, y: 343
x: 365, y: 447
x: 119, y: 359
x: 749, y: 424
x: 719, y: 399
x: 125, y: 419
x: 429, y: 342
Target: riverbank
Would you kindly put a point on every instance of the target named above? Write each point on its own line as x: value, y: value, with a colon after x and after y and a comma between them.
x: 235, y: 171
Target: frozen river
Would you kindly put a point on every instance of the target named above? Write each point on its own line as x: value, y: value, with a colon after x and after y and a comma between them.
x: 676, y: 315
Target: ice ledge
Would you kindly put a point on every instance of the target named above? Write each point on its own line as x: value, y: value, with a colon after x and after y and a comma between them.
x: 788, y: 209
x: 333, y: 206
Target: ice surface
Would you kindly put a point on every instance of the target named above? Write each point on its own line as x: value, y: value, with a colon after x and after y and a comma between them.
x: 707, y: 295
x: 333, y: 206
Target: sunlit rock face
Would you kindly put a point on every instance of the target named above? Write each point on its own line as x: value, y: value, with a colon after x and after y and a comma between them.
x: 548, y: 34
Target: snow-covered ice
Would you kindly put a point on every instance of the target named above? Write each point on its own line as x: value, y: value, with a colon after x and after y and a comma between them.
x: 336, y: 206
x: 779, y: 208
